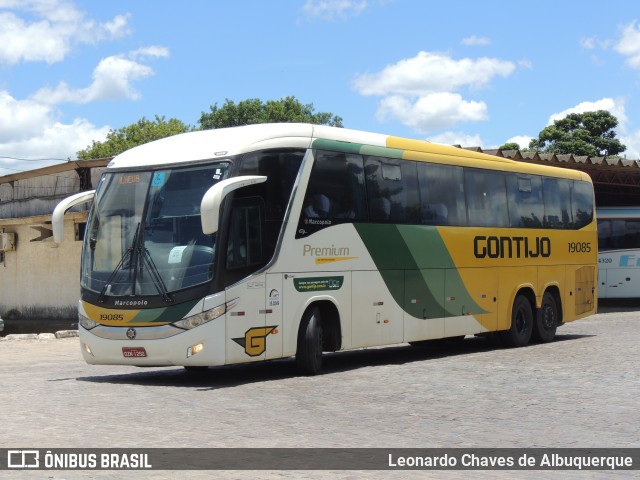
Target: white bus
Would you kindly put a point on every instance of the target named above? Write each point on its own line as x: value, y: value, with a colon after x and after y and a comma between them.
x: 268, y: 241
x: 618, y: 252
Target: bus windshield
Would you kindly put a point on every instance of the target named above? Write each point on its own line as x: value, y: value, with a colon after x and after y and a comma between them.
x: 144, y: 236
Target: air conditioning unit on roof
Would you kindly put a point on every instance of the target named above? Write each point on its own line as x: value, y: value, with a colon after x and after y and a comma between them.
x: 7, y: 242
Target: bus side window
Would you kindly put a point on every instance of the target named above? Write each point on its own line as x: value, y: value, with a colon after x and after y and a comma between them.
x: 244, y: 246
x: 392, y: 190
x: 604, y: 235
x: 557, y: 203
x: 581, y: 203
x: 335, y: 193
x: 486, y: 198
x: 524, y: 193
x: 442, y: 199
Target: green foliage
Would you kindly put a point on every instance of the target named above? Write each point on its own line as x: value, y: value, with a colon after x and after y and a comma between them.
x: 589, y: 133
x: 143, y: 131
x: 510, y: 146
x: 253, y: 110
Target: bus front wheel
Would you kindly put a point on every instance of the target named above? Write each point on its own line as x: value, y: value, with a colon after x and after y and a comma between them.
x: 309, y: 352
x: 546, y: 322
x: 521, y: 324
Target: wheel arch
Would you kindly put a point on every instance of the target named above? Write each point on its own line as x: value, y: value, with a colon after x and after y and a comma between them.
x: 555, y: 291
x: 528, y: 292
x: 330, y: 318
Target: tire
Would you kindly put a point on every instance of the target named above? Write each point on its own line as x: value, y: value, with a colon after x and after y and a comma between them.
x: 546, y: 324
x: 195, y: 370
x: 521, y: 324
x: 309, y: 352
x: 457, y: 340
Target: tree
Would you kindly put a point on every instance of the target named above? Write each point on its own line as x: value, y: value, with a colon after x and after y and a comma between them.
x: 589, y: 133
x: 143, y: 131
x: 253, y: 110
x: 510, y: 146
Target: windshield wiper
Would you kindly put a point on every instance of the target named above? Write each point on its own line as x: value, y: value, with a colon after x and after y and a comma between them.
x: 143, y: 257
x: 128, y: 254
x: 139, y: 257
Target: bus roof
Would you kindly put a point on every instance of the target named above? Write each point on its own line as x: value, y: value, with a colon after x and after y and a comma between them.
x: 225, y: 142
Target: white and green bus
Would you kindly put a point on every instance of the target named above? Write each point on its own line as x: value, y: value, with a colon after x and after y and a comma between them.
x: 268, y: 241
x: 618, y: 252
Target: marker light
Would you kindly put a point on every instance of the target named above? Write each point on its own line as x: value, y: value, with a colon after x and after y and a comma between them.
x: 87, y: 349
x: 194, y: 349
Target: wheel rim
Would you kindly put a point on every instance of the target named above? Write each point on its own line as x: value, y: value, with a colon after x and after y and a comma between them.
x: 548, y: 317
x: 522, y: 324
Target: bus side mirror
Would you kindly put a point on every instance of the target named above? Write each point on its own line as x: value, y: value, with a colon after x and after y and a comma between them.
x: 210, y: 205
x: 57, y: 219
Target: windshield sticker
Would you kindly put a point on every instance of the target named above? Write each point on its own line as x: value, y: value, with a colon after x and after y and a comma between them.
x: 175, y: 256
x: 158, y: 179
x: 218, y: 174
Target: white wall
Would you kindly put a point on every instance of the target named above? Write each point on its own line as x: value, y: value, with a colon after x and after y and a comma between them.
x: 40, y: 279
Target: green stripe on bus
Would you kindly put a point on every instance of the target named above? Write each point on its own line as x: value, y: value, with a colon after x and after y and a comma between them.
x: 164, y: 315
x: 356, y: 148
x: 336, y: 146
x: 413, y: 262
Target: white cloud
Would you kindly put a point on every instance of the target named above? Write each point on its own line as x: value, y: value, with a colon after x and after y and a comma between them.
x: 421, y: 92
x: 19, y: 120
x: 629, y: 44
x: 588, y: 43
x: 45, y: 30
x: 457, y: 138
x: 474, y: 40
x: 153, y: 51
x: 432, y: 72
x: 112, y: 80
x: 632, y: 142
x: 431, y: 112
x: 615, y: 107
x: 333, y: 9
x: 521, y: 140
x: 30, y: 130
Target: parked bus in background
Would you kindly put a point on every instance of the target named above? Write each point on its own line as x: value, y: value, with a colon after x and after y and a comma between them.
x: 618, y: 252
x: 267, y: 241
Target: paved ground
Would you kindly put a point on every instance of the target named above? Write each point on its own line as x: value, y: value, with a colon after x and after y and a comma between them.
x: 580, y: 391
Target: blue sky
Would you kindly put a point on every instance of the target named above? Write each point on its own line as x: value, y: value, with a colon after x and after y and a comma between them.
x: 456, y: 72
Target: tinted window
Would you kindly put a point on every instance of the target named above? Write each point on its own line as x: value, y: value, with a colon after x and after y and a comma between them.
x: 582, y: 204
x: 442, y: 194
x: 557, y: 203
x: 335, y: 193
x: 486, y: 198
x: 281, y: 169
x: 618, y: 234
x: 392, y: 190
x: 526, y: 209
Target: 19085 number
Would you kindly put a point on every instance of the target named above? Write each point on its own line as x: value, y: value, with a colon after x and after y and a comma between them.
x: 579, y: 247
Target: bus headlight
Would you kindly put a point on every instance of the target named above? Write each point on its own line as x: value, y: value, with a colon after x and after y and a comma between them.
x: 204, y: 317
x: 86, y: 322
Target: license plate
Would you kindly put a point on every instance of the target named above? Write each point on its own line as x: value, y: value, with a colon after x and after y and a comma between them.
x: 134, y: 352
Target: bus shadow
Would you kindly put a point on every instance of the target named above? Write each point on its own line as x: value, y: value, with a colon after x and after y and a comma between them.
x: 611, y: 305
x: 215, y: 378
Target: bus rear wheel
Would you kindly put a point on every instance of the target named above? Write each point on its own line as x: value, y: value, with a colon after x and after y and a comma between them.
x: 546, y: 322
x: 309, y: 352
x: 521, y: 324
